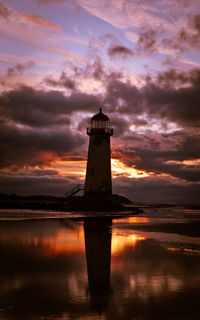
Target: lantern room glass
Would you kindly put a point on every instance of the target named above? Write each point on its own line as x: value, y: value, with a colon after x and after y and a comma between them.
x: 99, y: 124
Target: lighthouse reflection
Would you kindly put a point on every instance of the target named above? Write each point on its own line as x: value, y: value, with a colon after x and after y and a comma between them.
x: 98, y: 255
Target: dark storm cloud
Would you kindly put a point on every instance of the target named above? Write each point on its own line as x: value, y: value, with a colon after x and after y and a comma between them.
x: 146, y: 154
x: 160, y: 98
x: 155, y: 162
x: 122, y: 51
x: 176, y: 105
x: 4, y: 11
x: 139, y: 122
x: 40, y: 173
x: 63, y: 81
x: 40, y: 108
x: 19, y: 68
x: 27, y: 147
x: 123, y: 97
x: 157, y: 190
x: 120, y: 125
x: 35, y: 124
x: 29, y: 184
x: 83, y: 124
x: 174, y: 79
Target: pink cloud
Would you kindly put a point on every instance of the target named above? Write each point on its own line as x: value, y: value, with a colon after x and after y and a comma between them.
x: 41, y: 21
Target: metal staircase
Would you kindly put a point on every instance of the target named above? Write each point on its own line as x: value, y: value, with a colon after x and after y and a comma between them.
x: 74, y: 190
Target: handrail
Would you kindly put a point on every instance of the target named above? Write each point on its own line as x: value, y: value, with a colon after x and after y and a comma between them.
x: 74, y: 190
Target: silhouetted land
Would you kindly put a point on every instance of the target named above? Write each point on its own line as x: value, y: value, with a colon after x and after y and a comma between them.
x: 75, y: 203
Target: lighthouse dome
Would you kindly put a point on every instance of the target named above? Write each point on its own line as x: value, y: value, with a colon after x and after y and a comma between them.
x: 100, y: 124
x: 100, y: 116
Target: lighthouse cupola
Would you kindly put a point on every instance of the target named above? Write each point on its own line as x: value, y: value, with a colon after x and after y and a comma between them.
x: 100, y: 123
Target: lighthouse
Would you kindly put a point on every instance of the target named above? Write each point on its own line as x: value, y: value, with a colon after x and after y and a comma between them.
x: 98, y: 174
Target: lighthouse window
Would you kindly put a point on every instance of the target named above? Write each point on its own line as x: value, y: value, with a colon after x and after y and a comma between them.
x: 100, y: 124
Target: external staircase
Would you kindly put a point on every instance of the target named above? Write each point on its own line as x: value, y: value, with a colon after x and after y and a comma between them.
x: 74, y: 190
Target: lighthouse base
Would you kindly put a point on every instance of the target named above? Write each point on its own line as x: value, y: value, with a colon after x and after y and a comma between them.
x: 98, y: 202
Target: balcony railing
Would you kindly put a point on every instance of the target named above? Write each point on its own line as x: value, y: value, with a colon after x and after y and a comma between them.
x: 100, y: 130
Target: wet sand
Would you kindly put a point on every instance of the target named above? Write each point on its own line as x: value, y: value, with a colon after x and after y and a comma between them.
x: 100, y: 267
x: 191, y: 229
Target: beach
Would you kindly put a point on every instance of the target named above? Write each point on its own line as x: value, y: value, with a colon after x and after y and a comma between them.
x: 98, y: 266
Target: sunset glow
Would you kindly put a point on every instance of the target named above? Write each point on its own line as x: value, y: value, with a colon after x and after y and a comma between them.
x: 78, y: 169
x: 74, y: 168
x: 99, y: 159
x: 193, y: 162
x: 120, y: 169
x: 120, y: 241
x: 61, y: 60
x: 71, y: 241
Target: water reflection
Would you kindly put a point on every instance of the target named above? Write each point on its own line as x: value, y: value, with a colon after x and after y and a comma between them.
x: 69, y: 270
x: 98, y: 255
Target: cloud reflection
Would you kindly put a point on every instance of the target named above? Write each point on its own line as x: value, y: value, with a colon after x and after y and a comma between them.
x: 46, y: 272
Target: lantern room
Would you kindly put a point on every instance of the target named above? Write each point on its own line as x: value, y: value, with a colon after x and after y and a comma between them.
x: 100, y: 123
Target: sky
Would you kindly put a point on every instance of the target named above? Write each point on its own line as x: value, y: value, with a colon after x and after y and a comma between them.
x: 60, y: 60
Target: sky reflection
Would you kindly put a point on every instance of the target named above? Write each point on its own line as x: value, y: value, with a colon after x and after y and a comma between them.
x: 64, y: 269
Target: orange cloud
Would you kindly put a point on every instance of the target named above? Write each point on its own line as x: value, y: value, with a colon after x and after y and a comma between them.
x: 78, y: 168
x: 119, y: 168
x: 41, y: 21
x: 72, y: 168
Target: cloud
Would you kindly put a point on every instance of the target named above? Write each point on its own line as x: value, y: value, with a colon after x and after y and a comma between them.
x: 63, y: 81
x: 41, y: 21
x: 19, y: 68
x: 171, y: 96
x: 169, y: 27
x: 38, y: 108
x: 123, y: 97
x: 22, y: 147
x: 35, y: 125
x: 187, y: 36
x: 196, y: 22
x: 179, y: 106
x: 157, y: 190
x: 33, y: 184
x: 4, y: 11
x: 147, y: 39
x: 40, y: 127
x: 122, y: 51
x: 44, y: 2
x: 162, y: 154
x: 26, y: 30
x: 119, y: 124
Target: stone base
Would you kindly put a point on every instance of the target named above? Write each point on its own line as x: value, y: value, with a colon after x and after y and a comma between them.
x: 98, y: 202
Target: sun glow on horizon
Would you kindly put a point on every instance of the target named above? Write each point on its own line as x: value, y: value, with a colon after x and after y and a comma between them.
x: 192, y: 162
x: 78, y: 168
x: 119, y: 168
x: 71, y: 168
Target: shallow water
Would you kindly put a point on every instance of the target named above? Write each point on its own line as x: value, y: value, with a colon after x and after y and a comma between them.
x: 98, y: 268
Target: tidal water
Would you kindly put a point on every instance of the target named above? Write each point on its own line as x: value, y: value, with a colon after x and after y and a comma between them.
x: 53, y: 266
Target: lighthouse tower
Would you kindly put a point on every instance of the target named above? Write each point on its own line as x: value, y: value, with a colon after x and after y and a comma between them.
x: 98, y: 175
